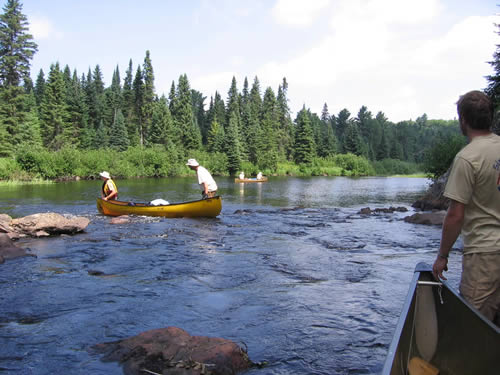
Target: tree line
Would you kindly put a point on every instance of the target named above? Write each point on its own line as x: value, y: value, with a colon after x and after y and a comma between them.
x: 68, y: 109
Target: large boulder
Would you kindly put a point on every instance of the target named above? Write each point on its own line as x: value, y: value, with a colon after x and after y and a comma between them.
x: 173, y: 351
x: 434, y: 199
x: 46, y: 224
x: 8, y: 250
x: 427, y: 218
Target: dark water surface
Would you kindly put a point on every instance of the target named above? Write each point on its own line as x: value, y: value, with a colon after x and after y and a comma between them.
x: 289, y: 268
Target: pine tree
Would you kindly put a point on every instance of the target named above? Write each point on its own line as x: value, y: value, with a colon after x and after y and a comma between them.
x: 184, y: 118
x: 29, y: 129
x: 101, y: 136
x: 197, y: 102
x: 138, y: 90
x: 352, y: 142
x: 55, y: 129
x: 39, y: 87
x: 16, y: 50
x: 383, y: 148
x: 233, y: 112
x: 16, y: 45
x: 149, y: 97
x: 267, y: 155
x: 285, y: 126
x: 304, y: 142
x: 118, y: 139
x: 493, y: 89
x: 161, y: 125
x: 233, y: 144
x: 128, y: 106
x: 216, y: 137
x: 342, y: 121
x: 77, y: 112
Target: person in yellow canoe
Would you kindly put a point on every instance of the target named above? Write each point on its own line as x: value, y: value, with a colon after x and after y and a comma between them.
x: 109, y: 190
x: 205, y: 179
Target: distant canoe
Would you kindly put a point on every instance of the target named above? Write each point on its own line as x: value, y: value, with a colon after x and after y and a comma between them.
x: 244, y: 180
x: 438, y: 331
x: 210, y: 207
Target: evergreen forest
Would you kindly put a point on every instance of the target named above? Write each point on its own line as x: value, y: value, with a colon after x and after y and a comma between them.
x: 68, y: 123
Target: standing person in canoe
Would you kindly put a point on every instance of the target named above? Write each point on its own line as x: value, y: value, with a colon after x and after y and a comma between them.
x: 475, y: 207
x: 109, y: 190
x: 205, y: 179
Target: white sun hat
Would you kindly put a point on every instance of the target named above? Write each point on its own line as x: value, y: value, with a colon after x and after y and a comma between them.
x: 104, y: 174
x: 192, y: 163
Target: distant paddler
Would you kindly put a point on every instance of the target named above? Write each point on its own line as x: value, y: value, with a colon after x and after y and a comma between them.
x: 205, y: 179
x: 259, y: 176
x: 109, y: 190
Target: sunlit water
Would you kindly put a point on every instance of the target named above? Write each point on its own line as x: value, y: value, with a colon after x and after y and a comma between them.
x: 289, y: 269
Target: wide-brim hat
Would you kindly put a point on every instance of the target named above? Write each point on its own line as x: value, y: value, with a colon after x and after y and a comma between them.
x: 104, y: 174
x: 192, y: 163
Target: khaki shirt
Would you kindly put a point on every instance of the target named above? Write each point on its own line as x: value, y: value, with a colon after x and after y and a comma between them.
x: 475, y: 181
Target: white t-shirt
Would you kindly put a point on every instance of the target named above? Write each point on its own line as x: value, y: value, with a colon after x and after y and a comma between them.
x: 205, y: 176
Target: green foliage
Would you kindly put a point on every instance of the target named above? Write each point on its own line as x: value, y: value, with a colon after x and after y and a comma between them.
x: 9, y: 169
x: 440, y: 157
x: 390, y: 167
x: 353, y: 165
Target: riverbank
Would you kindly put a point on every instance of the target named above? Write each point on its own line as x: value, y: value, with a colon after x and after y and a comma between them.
x: 37, y: 166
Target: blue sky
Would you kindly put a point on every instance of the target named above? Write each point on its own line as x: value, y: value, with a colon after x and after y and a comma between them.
x: 401, y: 57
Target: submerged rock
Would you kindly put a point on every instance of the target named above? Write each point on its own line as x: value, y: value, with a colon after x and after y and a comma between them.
x: 8, y: 250
x: 172, y: 351
x: 427, y: 218
x: 390, y: 210
x: 47, y: 224
x: 123, y: 219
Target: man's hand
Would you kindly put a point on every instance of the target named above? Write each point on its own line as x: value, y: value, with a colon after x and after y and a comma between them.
x: 440, y: 265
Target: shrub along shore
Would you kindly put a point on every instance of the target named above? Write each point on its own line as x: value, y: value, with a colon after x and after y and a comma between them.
x: 68, y: 164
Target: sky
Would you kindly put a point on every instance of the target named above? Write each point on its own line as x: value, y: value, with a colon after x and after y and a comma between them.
x: 401, y: 57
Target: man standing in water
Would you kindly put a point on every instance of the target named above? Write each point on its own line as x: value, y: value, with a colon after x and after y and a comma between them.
x: 475, y: 208
x: 205, y: 179
x: 109, y: 190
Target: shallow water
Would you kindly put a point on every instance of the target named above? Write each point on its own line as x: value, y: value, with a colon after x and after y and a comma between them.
x: 289, y: 268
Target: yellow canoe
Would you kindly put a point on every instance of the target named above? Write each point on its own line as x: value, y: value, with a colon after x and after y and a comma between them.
x: 244, y: 180
x: 210, y: 207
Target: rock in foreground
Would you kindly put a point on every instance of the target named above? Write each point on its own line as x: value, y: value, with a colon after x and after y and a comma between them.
x: 47, y: 224
x: 173, y: 351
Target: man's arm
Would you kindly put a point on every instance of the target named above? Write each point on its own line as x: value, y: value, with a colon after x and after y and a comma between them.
x: 451, y: 230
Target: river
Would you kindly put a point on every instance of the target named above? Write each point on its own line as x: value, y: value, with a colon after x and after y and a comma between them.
x: 289, y: 268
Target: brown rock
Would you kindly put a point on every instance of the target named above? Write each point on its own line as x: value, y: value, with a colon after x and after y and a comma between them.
x: 434, y: 199
x: 8, y: 250
x: 49, y: 224
x: 5, y: 221
x: 172, y: 351
x: 124, y: 219
x: 427, y: 218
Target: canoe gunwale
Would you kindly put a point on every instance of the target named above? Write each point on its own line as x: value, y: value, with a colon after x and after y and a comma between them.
x: 462, y: 332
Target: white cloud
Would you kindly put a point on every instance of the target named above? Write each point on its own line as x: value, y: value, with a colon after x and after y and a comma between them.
x: 42, y: 28
x: 382, y: 54
x: 298, y: 13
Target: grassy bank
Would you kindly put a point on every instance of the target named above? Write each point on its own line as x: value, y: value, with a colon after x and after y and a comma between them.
x: 41, y: 165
